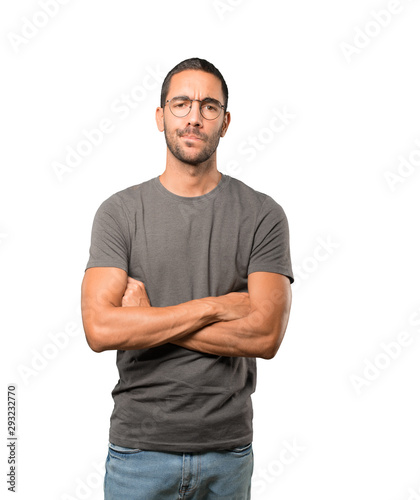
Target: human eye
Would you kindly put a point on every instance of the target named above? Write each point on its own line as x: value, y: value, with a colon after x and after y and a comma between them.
x: 180, y: 103
x: 210, y: 105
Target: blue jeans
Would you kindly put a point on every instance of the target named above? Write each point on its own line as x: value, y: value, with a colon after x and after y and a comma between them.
x: 133, y: 474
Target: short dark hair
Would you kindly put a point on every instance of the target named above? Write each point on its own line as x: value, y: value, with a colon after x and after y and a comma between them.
x: 196, y: 64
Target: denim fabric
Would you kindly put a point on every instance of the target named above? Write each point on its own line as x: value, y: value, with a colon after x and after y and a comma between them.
x: 133, y: 474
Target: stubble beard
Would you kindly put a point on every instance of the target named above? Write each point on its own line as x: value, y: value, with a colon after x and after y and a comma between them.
x: 185, y: 153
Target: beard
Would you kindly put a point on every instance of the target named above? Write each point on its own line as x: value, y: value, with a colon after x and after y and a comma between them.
x: 188, y: 154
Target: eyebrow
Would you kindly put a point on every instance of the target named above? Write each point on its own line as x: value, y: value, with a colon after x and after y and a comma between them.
x: 207, y: 99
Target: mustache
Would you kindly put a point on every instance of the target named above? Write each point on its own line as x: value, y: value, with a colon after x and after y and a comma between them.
x: 191, y: 131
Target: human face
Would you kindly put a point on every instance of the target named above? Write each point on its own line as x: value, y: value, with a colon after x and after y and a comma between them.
x: 192, y: 139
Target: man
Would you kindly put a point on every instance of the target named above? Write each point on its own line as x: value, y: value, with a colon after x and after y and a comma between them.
x: 189, y: 280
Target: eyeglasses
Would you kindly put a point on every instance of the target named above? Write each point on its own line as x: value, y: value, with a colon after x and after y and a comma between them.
x: 180, y: 106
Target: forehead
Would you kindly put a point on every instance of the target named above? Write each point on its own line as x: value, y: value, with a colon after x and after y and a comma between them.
x: 195, y: 84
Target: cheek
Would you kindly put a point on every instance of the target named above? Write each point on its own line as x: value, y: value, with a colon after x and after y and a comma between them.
x: 172, y: 128
x: 220, y: 132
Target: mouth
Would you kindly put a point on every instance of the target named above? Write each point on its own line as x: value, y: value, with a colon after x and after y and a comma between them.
x: 191, y: 138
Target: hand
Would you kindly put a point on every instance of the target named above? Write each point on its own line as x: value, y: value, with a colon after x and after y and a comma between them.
x: 135, y: 294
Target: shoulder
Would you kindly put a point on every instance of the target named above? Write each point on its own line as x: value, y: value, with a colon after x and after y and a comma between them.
x: 261, y: 202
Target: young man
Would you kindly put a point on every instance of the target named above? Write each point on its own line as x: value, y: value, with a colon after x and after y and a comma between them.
x: 189, y: 280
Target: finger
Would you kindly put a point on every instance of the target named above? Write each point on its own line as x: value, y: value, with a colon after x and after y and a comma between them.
x: 132, y: 280
x: 132, y: 286
x: 135, y: 289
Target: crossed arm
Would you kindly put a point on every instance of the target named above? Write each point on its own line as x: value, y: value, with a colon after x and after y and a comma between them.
x: 237, y: 324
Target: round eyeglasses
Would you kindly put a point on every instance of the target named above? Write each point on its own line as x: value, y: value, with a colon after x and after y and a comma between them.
x: 210, y: 108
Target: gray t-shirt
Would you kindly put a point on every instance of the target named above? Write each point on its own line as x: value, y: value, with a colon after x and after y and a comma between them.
x: 169, y: 398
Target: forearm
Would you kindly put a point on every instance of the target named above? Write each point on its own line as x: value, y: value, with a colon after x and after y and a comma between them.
x: 257, y: 334
x: 143, y: 327
x: 245, y: 337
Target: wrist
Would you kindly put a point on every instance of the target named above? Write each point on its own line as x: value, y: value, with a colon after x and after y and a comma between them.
x: 211, y: 309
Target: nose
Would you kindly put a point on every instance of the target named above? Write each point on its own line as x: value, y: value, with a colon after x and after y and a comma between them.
x: 194, y: 116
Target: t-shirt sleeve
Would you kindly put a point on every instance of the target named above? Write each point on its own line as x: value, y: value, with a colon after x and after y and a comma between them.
x: 271, y: 249
x: 110, y: 238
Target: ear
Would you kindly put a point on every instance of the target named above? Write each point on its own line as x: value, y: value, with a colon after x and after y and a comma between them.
x: 159, y: 119
x: 226, y: 122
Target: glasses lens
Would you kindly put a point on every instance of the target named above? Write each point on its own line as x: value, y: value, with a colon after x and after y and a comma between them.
x: 210, y: 109
x: 180, y: 106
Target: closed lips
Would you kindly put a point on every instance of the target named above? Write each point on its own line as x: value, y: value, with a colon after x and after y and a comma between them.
x: 191, y: 137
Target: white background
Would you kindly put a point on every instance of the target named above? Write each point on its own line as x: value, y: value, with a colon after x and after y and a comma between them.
x: 355, y: 429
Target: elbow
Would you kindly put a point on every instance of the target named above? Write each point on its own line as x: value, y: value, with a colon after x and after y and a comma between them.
x: 95, y: 332
x: 267, y: 355
x: 269, y: 352
x: 262, y: 347
x: 273, y: 337
x: 94, y: 339
x: 270, y: 346
x: 261, y: 344
x: 94, y: 344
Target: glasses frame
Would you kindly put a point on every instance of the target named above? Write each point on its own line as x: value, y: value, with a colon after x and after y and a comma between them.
x: 200, y: 101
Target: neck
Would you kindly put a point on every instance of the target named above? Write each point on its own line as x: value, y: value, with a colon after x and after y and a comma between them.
x: 190, y: 180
